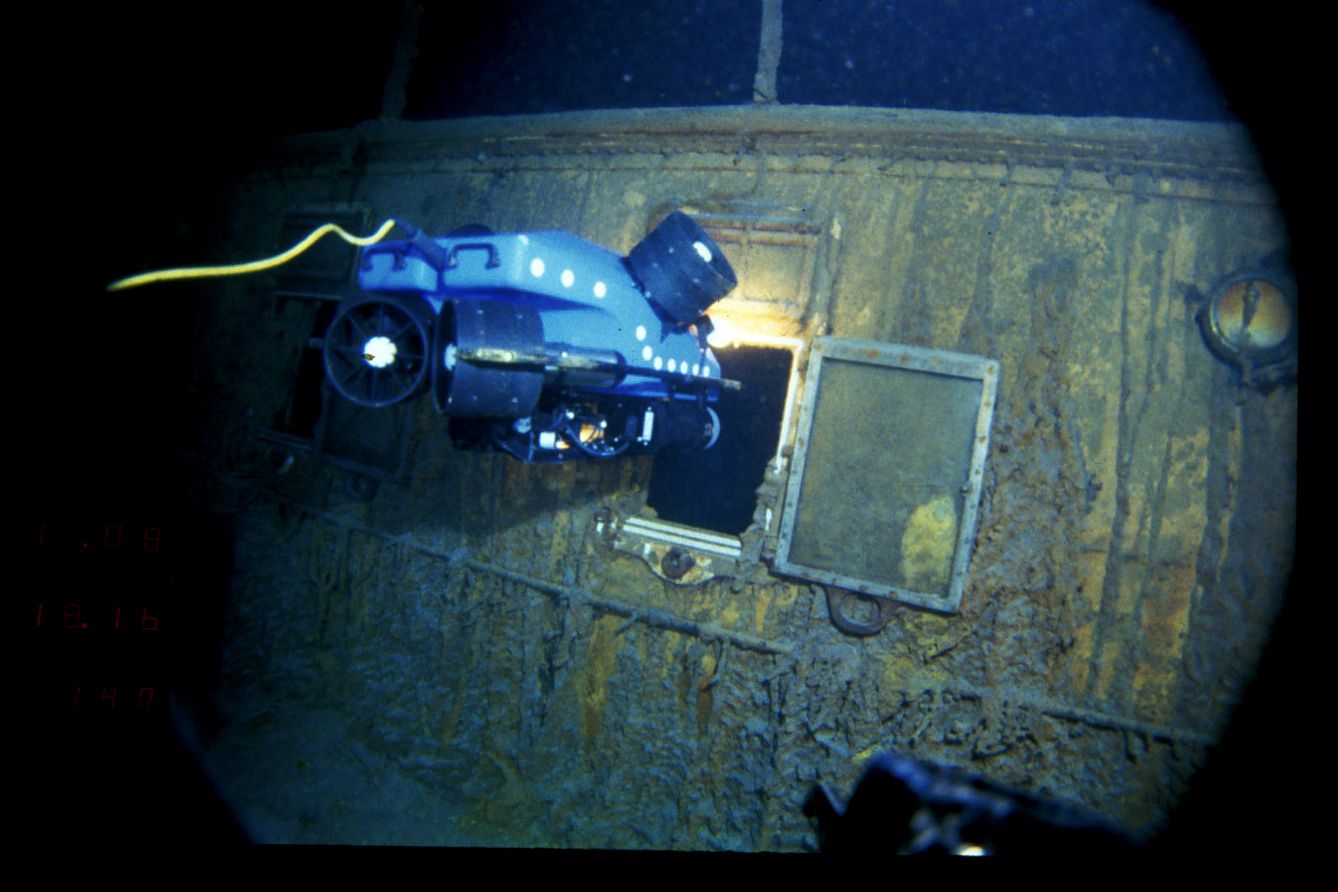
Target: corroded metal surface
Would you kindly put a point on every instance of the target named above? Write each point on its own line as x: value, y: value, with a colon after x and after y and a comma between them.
x: 1133, y: 539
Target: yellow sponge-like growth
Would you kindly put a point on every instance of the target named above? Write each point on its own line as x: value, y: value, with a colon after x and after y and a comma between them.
x: 928, y: 544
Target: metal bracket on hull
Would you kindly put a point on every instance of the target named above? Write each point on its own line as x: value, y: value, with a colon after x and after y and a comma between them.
x: 679, y: 554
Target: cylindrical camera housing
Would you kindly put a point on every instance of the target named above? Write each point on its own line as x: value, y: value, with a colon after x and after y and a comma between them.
x: 680, y: 270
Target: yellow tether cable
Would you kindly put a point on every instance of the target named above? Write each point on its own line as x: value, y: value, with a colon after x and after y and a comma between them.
x: 255, y: 266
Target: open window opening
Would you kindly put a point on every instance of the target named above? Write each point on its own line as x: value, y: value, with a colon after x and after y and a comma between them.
x: 300, y: 413
x: 717, y: 490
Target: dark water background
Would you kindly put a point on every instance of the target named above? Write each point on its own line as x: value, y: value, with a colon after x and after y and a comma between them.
x: 1087, y: 57
x: 296, y: 67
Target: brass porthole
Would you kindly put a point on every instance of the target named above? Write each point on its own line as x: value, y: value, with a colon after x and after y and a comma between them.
x: 1249, y: 320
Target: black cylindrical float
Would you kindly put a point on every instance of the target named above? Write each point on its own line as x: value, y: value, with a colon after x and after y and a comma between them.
x: 474, y: 326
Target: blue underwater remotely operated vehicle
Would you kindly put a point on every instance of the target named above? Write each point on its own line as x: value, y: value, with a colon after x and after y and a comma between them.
x: 540, y: 345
